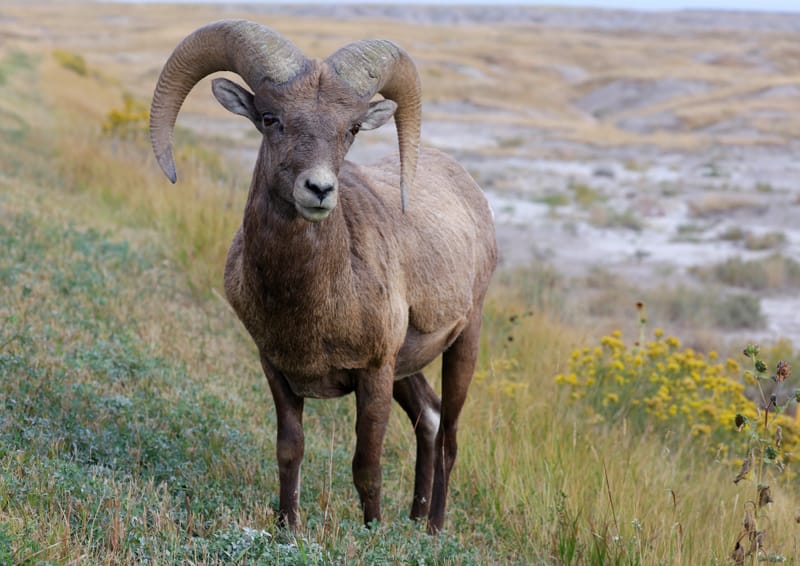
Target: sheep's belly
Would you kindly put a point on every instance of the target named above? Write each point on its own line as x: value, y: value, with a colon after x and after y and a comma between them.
x: 334, y: 384
x: 420, y: 349
x: 321, y: 381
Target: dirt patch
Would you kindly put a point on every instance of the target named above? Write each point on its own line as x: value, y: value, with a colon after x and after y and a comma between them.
x: 624, y: 95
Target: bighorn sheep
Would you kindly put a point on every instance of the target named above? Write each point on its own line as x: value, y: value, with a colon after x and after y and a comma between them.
x: 341, y: 288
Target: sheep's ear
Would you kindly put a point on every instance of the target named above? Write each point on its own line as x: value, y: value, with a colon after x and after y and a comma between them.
x: 378, y: 114
x: 236, y: 99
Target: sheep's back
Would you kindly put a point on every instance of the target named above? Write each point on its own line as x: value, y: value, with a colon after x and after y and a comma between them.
x: 444, y: 244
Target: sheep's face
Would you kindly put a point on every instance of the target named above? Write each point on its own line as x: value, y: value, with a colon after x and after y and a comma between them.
x: 307, y: 127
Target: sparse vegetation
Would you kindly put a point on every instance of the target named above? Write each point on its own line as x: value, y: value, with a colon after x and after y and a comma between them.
x: 584, y: 195
x: 690, y: 232
x: 765, y: 241
x: 752, y: 241
x: 733, y: 234
x: 607, y: 217
x: 554, y: 199
x: 512, y: 142
x: 721, y: 204
x: 776, y: 272
x: 685, y: 305
x: 13, y: 62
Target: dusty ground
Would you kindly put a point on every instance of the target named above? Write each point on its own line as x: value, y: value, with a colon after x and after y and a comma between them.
x: 634, y: 142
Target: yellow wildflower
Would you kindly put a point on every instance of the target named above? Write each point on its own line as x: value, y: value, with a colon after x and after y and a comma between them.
x: 732, y: 366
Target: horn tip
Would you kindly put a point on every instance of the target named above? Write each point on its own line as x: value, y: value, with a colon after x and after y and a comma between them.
x: 168, y: 167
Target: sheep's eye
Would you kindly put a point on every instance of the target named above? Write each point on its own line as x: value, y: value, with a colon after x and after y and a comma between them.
x: 269, y: 119
x: 356, y: 127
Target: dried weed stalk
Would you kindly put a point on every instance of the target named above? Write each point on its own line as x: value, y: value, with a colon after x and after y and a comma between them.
x: 765, y: 452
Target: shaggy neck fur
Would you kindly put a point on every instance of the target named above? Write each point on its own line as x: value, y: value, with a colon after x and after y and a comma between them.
x: 301, y: 265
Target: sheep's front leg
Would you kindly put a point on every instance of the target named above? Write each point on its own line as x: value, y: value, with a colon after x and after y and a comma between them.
x: 373, y: 403
x: 290, y: 445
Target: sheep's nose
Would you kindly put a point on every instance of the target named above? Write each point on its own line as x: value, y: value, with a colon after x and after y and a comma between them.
x: 320, y: 189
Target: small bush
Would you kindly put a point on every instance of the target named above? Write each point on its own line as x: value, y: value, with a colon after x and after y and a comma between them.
x: 689, y: 233
x: 71, y: 61
x: 605, y: 217
x: 738, y: 312
x: 776, y: 272
x: 130, y: 121
x: 511, y: 143
x: 554, y: 200
x: 722, y: 204
x: 733, y: 234
x: 584, y: 195
x: 766, y: 241
x: 700, y: 307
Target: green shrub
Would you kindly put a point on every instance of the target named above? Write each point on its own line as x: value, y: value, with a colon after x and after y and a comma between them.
x: 71, y: 61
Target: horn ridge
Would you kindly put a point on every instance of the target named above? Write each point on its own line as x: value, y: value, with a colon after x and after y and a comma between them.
x: 374, y: 66
x: 253, y: 51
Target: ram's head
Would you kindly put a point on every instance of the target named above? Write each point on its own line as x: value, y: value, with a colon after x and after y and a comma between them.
x: 308, y: 112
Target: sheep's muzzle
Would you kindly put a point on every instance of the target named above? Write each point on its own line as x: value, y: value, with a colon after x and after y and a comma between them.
x: 315, y: 193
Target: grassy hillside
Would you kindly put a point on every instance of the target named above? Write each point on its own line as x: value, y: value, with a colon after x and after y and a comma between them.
x: 137, y: 428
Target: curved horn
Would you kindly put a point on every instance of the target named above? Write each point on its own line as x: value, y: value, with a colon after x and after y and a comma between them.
x: 379, y: 66
x: 255, y: 52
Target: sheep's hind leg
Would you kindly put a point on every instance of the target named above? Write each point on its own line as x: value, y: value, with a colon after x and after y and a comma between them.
x: 373, y: 403
x: 458, y: 366
x: 422, y: 405
x: 289, y: 447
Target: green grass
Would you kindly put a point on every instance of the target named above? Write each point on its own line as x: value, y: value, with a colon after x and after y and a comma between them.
x: 108, y: 444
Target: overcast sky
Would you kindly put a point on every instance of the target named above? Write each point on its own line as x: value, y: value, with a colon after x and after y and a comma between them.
x: 758, y: 5
x: 770, y: 5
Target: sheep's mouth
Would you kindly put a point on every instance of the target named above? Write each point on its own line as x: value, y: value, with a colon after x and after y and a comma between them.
x: 314, y: 213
